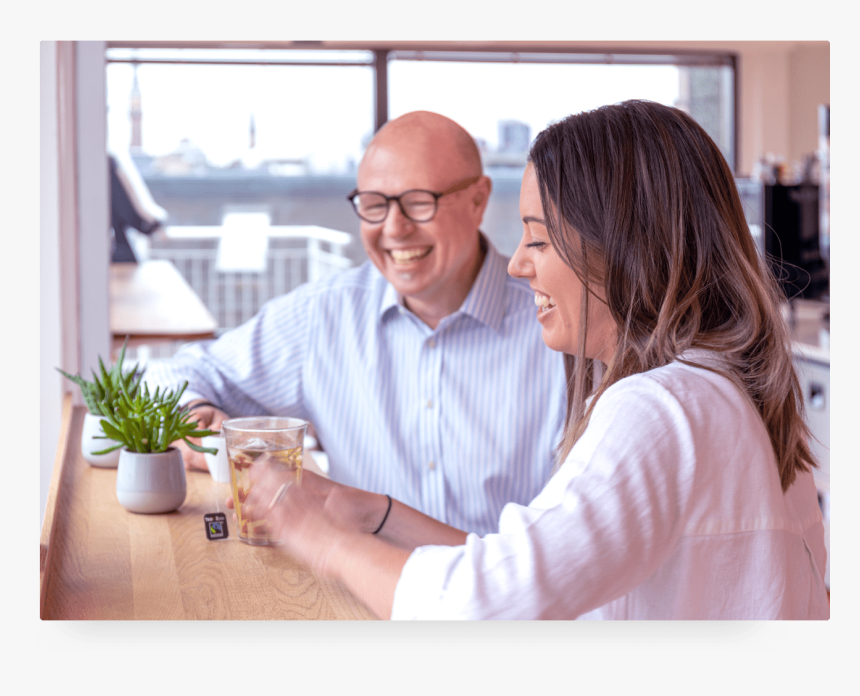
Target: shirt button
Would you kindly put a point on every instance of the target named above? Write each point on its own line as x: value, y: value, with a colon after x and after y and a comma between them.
x: 431, y: 465
x: 431, y: 343
x: 429, y: 403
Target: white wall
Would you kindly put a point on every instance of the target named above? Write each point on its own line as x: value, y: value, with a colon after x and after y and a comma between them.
x: 50, y: 330
x: 763, y: 83
x: 74, y: 230
x: 809, y: 70
x: 781, y: 86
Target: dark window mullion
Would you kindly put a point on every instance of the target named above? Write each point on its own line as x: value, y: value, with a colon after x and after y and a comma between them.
x: 380, y: 83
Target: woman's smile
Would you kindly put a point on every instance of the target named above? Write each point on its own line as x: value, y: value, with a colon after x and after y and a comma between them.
x: 545, y: 305
x: 557, y: 288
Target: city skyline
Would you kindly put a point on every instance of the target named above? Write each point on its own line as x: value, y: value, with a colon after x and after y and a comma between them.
x: 213, y: 106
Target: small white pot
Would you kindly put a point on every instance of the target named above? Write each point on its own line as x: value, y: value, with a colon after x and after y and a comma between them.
x: 218, y: 464
x: 151, y: 483
x: 90, y: 444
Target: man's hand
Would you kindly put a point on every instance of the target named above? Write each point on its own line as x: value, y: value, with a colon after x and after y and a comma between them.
x: 208, y: 417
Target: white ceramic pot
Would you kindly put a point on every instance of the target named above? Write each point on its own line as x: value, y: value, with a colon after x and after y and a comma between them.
x: 150, y: 483
x: 218, y: 464
x: 90, y: 444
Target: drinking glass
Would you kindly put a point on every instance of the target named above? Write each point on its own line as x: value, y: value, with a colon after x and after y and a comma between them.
x: 277, y: 442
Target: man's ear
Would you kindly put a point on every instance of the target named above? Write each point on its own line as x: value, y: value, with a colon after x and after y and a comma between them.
x: 482, y: 191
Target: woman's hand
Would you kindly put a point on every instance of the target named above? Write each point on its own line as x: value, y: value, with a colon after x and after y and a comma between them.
x: 349, y: 508
x: 327, y: 526
x: 311, y: 517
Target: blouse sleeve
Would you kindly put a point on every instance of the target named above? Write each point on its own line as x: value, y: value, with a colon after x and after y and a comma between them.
x: 601, y: 526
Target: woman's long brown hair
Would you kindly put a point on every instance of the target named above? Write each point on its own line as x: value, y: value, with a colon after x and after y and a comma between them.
x: 641, y: 204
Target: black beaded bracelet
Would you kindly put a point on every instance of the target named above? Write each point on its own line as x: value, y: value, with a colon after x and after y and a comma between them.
x: 386, y: 514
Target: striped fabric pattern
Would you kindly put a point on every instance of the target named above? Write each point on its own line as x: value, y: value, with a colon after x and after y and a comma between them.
x: 456, y: 421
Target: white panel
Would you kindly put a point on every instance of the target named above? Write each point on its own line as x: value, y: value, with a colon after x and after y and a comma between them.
x: 50, y: 331
x: 93, y: 203
x: 815, y: 384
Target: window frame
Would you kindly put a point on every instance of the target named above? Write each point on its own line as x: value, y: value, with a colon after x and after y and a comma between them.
x: 503, y: 52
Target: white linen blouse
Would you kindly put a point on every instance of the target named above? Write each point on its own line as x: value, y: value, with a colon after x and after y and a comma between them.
x: 668, y: 507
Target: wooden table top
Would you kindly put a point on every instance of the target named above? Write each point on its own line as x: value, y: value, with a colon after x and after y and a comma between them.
x: 152, y: 301
x: 99, y: 561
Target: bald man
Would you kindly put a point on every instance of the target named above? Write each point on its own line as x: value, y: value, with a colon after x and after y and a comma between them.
x: 423, y: 370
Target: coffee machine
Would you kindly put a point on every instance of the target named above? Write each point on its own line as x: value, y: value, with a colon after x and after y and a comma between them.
x: 792, y: 240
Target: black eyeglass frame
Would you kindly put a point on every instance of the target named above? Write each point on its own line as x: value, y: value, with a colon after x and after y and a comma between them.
x: 459, y: 186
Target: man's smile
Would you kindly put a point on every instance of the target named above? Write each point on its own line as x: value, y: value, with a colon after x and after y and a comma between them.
x: 403, y: 257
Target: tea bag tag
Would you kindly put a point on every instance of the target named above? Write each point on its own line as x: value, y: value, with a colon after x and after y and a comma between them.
x: 216, y: 525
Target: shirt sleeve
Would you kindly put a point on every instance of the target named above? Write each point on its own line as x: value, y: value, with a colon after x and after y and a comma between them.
x: 254, y: 369
x: 601, y: 526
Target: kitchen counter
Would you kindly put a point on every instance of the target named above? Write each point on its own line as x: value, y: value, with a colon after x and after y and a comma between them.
x: 810, y: 330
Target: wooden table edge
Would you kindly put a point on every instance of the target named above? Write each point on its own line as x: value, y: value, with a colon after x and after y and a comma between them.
x: 49, y: 524
x: 136, y: 339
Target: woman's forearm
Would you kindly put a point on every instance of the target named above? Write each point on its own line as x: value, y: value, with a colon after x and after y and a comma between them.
x: 370, y: 567
x: 328, y: 526
x: 364, y: 511
x: 370, y: 564
x: 407, y: 528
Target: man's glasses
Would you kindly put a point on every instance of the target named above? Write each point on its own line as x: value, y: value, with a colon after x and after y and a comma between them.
x: 416, y: 204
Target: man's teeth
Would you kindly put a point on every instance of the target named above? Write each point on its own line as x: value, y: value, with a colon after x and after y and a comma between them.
x: 407, y: 255
x: 544, y: 301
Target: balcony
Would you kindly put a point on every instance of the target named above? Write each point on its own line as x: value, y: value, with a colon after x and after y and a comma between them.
x: 238, y: 266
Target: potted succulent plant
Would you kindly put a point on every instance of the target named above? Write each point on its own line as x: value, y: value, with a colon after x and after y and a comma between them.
x: 100, y: 397
x: 151, y: 474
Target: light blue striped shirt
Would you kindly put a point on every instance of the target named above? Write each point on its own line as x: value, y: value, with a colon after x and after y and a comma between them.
x: 455, y: 422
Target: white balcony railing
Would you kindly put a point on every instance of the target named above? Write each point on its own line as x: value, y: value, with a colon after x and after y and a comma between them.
x: 272, y: 263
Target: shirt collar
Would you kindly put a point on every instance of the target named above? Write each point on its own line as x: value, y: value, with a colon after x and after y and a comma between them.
x: 485, y: 301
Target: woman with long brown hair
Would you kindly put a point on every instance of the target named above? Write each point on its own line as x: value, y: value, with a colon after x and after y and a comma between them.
x: 683, y: 488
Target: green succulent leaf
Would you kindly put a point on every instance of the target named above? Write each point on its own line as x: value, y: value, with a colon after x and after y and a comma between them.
x: 134, y: 417
x: 106, y: 377
x: 201, y: 433
x: 109, y: 449
x: 102, y: 393
x: 198, y: 448
x: 112, y: 431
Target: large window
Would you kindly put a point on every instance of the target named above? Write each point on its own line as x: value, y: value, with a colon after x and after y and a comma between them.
x: 211, y: 132
x: 250, y: 154
x: 240, y: 107
x: 271, y: 139
x: 504, y: 100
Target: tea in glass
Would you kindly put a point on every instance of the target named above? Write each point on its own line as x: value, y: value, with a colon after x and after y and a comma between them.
x: 274, y: 442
